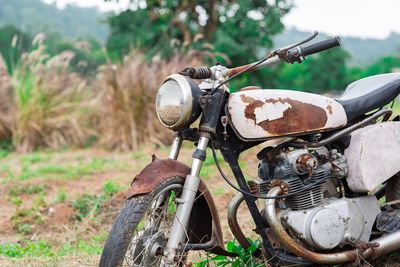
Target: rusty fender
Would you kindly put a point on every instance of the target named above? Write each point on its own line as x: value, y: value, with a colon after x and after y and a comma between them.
x: 204, y: 220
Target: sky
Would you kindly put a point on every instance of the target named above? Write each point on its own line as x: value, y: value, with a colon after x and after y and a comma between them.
x: 359, y: 18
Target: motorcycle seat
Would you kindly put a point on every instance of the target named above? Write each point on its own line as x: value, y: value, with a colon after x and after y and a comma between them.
x: 369, y: 93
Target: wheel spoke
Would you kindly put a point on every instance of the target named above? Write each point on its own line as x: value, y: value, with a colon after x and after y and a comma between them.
x: 152, y: 230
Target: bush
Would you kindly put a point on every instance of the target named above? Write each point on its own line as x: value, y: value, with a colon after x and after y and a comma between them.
x: 51, y: 105
x: 127, y: 96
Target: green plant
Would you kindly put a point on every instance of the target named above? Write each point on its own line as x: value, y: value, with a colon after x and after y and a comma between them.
x: 86, y: 205
x: 29, y: 189
x: 34, y: 158
x: 61, y: 195
x: 50, y: 104
x: 245, y: 257
x: 110, y: 188
x: 34, y: 249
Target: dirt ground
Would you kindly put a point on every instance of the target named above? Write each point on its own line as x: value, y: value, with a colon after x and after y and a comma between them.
x: 57, y: 181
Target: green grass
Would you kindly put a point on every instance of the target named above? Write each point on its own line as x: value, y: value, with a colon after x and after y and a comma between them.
x: 41, y: 248
x: 32, y: 249
x: 33, y: 167
x: 61, y: 195
x: 87, y: 205
x: 34, y: 157
x: 19, y: 189
x: 110, y: 188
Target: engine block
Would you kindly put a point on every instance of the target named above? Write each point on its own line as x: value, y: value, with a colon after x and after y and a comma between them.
x: 337, y: 222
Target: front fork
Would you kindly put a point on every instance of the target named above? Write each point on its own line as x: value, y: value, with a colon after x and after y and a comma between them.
x: 178, y: 233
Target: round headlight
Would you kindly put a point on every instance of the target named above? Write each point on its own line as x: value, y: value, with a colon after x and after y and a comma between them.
x: 177, y: 102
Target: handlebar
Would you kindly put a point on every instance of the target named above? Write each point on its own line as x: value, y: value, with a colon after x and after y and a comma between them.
x: 297, y: 53
x: 320, y: 46
x: 290, y: 54
x: 197, y: 73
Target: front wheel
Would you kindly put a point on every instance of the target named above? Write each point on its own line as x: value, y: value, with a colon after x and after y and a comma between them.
x: 141, y: 230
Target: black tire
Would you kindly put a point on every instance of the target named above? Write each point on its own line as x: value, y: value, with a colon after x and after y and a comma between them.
x: 392, y: 188
x: 127, y: 220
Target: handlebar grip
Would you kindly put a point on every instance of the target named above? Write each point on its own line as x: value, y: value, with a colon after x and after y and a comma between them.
x: 320, y: 46
x: 197, y: 73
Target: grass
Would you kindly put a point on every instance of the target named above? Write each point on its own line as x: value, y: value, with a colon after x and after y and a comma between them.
x: 30, y: 189
x: 61, y: 195
x: 87, y: 205
x: 41, y: 248
x: 31, y: 169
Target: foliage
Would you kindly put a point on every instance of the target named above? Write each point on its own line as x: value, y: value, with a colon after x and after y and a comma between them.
x: 110, y: 188
x: 61, y: 195
x: 30, y: 189
x: 86, y: 205
x: 127, y: 92
x: 89, y: 205
x: 320, y: 73
x: 13, y: 42
x: 238, y: 29
x: 41, y: 248
x: 363, y: 51
x: 35, y: 249
x: 245, y: 257
x: 50, y: 104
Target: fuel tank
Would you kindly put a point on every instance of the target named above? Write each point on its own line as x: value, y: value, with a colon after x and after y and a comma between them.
x: 262, y: 114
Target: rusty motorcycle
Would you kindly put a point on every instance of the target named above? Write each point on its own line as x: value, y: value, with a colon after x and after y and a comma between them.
x: 328, y: 174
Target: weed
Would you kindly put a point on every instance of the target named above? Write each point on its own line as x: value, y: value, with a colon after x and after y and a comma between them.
x: 5, y: 172
x: 23, y: 219
x: 71, y: 171
x: 127, y: 117
x: 16, y: 201
x: 33, y: 249
x: 219, y: 191
x: 61, y: 196
x: 50, y: 112
x: 110, y: 188
x: 245, y: 257
x: 34, y: 158
x: 31, y: 189
x: 87, y: 204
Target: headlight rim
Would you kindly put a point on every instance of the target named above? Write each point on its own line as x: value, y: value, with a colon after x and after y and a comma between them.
x: 188, y: 99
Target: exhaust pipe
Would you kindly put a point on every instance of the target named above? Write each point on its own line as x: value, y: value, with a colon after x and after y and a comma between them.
x: 387, y: 243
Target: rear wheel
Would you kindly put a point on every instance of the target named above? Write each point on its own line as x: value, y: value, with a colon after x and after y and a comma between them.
x: 141, y: 229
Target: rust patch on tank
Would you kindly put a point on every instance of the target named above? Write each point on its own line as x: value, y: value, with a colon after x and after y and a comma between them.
x: 300, y: 117
x: 329, y: 109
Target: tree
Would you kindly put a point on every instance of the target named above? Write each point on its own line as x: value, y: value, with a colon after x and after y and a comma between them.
x: 238, y: 29
x: 318, y: 73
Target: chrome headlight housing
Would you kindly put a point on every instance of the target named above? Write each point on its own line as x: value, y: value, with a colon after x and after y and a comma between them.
x: 177, y: 102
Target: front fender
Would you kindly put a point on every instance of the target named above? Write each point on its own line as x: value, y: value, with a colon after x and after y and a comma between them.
x: 204, y: 220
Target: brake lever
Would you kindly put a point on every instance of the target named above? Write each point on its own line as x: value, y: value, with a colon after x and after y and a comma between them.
x: 282, y: 51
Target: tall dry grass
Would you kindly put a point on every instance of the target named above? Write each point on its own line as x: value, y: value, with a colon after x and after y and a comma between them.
x: 44, y: 104
x: 51, y: 104
x: 127, y: 97
x: 6, y: 110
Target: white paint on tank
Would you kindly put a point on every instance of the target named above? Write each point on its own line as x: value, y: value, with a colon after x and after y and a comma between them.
x: 274, y: 106
x: 271, y: 111
x: 373, y: 155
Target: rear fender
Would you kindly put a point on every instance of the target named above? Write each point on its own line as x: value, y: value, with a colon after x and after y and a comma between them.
x: 204, y: 220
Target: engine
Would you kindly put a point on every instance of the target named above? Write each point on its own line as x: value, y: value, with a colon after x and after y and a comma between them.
x: 315, y: 211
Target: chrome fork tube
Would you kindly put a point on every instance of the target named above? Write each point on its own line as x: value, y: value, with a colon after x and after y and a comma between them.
x: 175, y: 148
x: 185, y: 204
